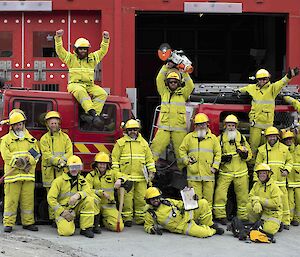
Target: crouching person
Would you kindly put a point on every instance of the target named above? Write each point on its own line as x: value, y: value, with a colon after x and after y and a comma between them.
x: 103, y: 181
x: 265, y: 202
x: 171, y: 215
x: 70, y: 196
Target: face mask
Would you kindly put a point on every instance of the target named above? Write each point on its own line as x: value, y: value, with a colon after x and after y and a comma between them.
x: 231, y: 135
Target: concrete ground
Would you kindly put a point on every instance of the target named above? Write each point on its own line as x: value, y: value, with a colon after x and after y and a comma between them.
x: 135, y: 242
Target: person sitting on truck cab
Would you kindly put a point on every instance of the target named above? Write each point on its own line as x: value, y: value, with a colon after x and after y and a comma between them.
x: 81, y: 66
x: 103, y: 181
x: 200, y: 151
x: 172, y: 118
x: 20, y: 153
x: 56, y: 148
x: 132, y: 156
x: 171, y: 215
x: 70, y: 196
x: 263, y: 93
x: 233, y: 168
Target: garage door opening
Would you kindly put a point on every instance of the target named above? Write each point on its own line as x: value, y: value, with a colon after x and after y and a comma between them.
x: 223, y: 49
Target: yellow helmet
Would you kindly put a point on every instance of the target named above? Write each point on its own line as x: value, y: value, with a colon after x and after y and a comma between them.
x: 102, y: 157
x: 173, y: 75
x: 152, y: 192
x: 74, y: 163
x: 262, y: 166
x: 262, y: 73
x: 201, y: 118
x: 287, y: 134
x: 130, y: 124
x: 17, y: 110
x: 16, y: 117
x: 82, y: 42
x: 231, y: 118
x: 271, y: 131
x: 52, y: 114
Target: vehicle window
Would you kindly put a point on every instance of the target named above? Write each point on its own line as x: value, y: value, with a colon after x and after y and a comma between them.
x: 35, y: 112
x: 6, y: 40
x: 108, y: 120
x: 43, y: 44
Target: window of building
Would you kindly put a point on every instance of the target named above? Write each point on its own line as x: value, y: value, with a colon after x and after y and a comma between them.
x: 35, y: 112
x: 43, y: 44
x: 6, y: 45
x: 108, y: 116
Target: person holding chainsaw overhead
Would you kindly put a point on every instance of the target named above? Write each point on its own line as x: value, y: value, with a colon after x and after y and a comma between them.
x: 70, y: 196
x: 56, y: 148
x: 81, y: 66
x: 174, y: 86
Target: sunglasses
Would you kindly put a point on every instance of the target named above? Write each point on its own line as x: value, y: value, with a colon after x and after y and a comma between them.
x: 133, y: 129
x: 263, y: 79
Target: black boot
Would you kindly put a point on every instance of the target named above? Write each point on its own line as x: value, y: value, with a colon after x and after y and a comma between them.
x: 31, y: 227
x: 219, y: 231
x: 294, y: 223
x: 87, y: 232
x: 7, y: 229
x: 97, y: 228
x: 88, y: 117
x: 128, y: 223
x: 222, y: 221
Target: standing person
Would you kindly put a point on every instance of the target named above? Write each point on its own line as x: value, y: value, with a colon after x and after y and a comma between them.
x: 172, y: 119
x: 201, y: 153
x: 70, y: 196
x: 235, y: 153
x: 278, y: 157
x: 263, y: 95
x: 131, y: 155
x: 171, y: 215
x: 81, y: 66
x: 56, y: 148
x: 20, y: 153
x: 103, y: 181
x: 265, y: 201
x: 293, y: 178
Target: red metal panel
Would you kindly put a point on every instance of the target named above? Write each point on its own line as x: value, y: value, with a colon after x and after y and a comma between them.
x: 48, y: 22
x: 12, y: 22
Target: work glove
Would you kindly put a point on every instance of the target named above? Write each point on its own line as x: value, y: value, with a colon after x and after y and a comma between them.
x: 73, y: 199
x: 69, y: 215
x: 105, y: 34
x: 292, y: 72
x: 226, y: 158
x: 288, y: 99
x: 242, y: 154
x: 257, y: 208
x: 213, y: 170
x: 195, y: 197
x: 59, y: 32
x: 255, y: 199
x: 22, y: 162
x: 284, y: 172
x: 156, y: 231
x: 61, y: 163
x: 151, y: 175
x: 192, y: 160
x: 236, y: 93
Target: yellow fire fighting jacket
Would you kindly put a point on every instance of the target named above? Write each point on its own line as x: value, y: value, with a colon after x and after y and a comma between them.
x: 173, y: 112
x: 54, y: 147
x: 12, y: 148
x: 131, y: 157
x: 206, y: 153
x: 263, y: 102
x: 81, y: 70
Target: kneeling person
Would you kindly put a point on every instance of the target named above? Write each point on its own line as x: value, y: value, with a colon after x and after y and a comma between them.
x: 171, y: 215
x: 103, y: 181
x: 265, y: 201
x: 71, y: 196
